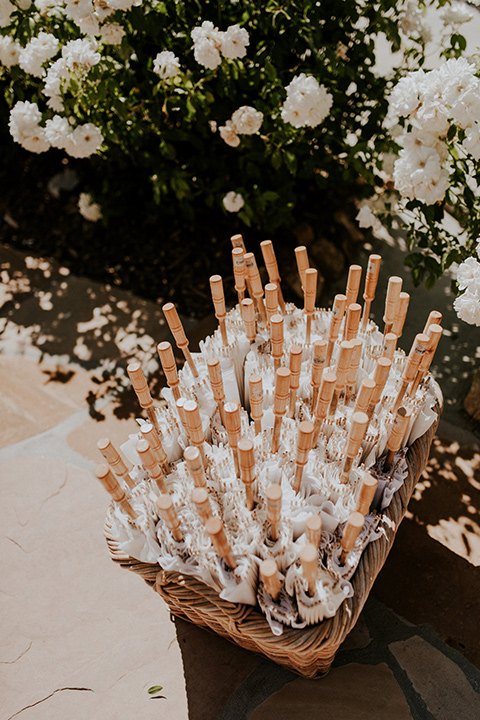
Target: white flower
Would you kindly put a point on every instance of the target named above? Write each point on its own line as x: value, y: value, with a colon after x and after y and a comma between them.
x: 420, y: 175
x: 307, y: 103
x: 112, y: 33
x: 233, y: 202
x: 48, y: 7
x: 456, y: 13
x: 80, y: 55
x: 234, y: 42
x: 228, y: 134
x: 246, y: 120
x: 207, y: 40
x: 78, y: 9
x: 58, y: 131
x: 24, y: 118
x: 471, y: 144
x: 122, y: 4
x: 89, y: 25
x: 433, y: 117
x: 207, y: 54
x: 365, y: 217
x: 467, y: 307
x: 468, y: 275
x: 36, y: 52
x: 35, y: 141
x: 410, y: 19
x: 166, y: 64
x: 84, y: 141
x: 213, y: 125
x: 478, y: 248
x: 102, y: 9
x: 89, y: 209
x: 9, y: 50
x: 6, y: 10
x: 405, y: 96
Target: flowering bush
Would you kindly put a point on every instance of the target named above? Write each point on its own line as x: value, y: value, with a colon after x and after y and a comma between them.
x: 434, y: 119
x: 242, y: 106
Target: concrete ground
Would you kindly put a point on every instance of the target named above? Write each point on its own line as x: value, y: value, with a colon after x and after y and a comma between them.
x: 84, y: 638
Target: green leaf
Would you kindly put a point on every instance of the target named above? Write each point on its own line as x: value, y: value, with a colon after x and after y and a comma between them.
x: 155, y: 689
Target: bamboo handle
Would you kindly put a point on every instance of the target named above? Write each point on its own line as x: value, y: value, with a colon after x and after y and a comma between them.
x: 176, y: 328
x: 327, y: 389
x: 239, y: 271
x: 216, y: 382
x: 310, y: 290
x: 367, y: 493
x: 270, y: 578
x: 112, y: 486
x: 352, y: 321
x: 309, y: 562
x: 282, y: 387
x: 271, y: 300
x: 338, y: 310
x: 417, y: 351
x: 280, y: 399
x: 399, y: 427
x: 218, y: 297
x: 151, y: 436
x: 357, y: 432
x: 114, y: 459
x: 193, y: 458
x: 304, y: 445
x: 435, y: 331
x: 295, y: 366
x: 237, y: 242
x: 371, y: 278
x: 169, y: 367
x: 168, y: 514
x: 246, y: 461
x: 270, y: 261
x: 355, y: 361
x: 435, y: 318
x: 364, y: 396
x: 199, y: 497
x: 389, y: 345
x: 401, y: 314
x: 301, y: 257
x: 180, y: 405
x: 391, y: 302
x: 380, y: 375
x: 254, y: 275
x: 139, y: 384
x: 255, y: 384
x: 233, y: 426
x: 175, y: 325
x: 274, y: 508
x: 318, y: 361
x: 313, y: 530
x: 215, y: 529
x: 276, y: 335
x: 353, y: 284
x: 343, y: 362
x: 350, y: 534
x: 247, y: 311
x: 194, y: 427
x: 150, y: 464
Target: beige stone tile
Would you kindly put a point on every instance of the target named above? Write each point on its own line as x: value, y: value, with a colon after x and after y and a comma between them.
x: 31, y: 402
x: 443, y: 686
x: 354, y: 691
x: 75, y: 619
x: 85, y: 437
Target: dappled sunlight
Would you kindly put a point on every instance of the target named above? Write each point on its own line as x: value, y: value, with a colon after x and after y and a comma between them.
x: 447, y: 499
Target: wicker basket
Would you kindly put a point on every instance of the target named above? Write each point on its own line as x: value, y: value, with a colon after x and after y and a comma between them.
x: 311, y: 651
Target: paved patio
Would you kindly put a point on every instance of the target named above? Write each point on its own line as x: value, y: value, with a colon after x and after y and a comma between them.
x: 84, y: 638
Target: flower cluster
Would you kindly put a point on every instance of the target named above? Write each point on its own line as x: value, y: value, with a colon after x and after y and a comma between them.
x: 433, y: 102
x: 308, y: 103
x: 210, y: 44
x: 244, y: 121
x: 467, y: 305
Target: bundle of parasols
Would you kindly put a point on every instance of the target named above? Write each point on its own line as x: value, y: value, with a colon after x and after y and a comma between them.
x: 266, y: 470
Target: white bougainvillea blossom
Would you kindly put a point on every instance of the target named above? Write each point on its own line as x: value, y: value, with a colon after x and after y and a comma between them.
x: 210, y: 44
x: 89, y: 209
x: 233, y: 202
x: 9, y: 51
x: 166, y: 64
x: 246, y: 120
x: 308, y: 103
x: 40, y: 49
x: 234, y: 42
